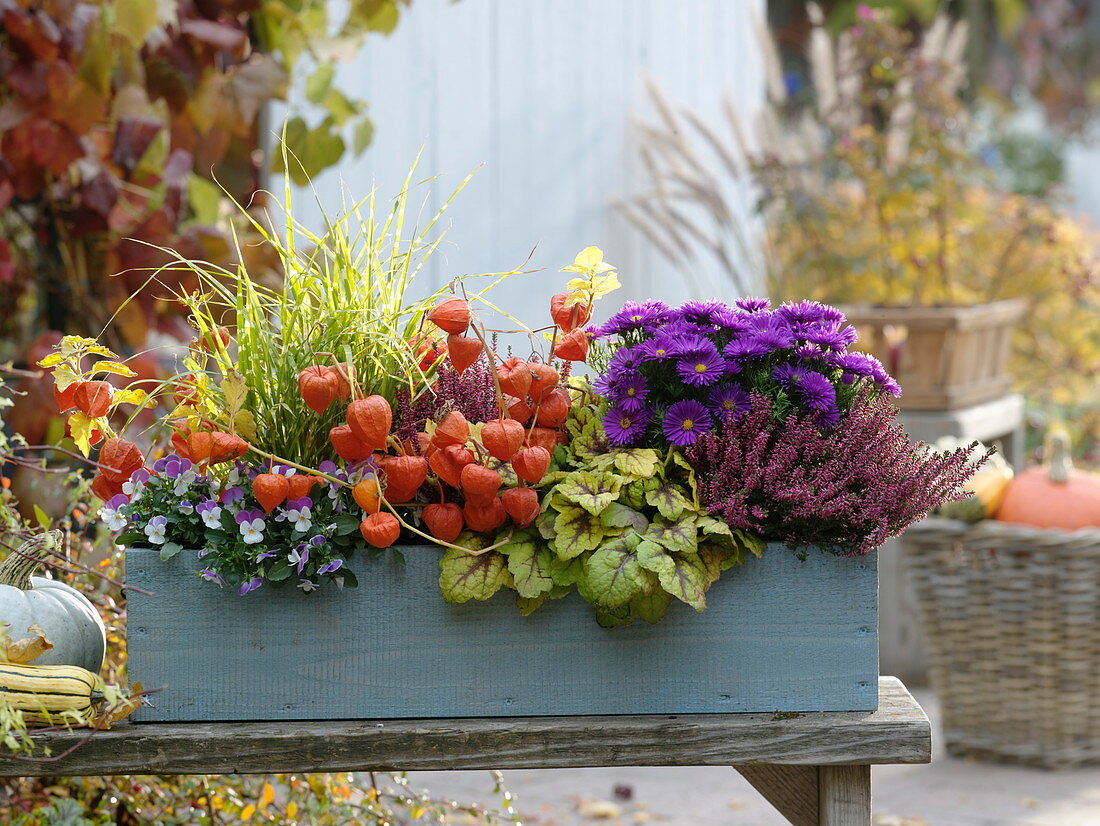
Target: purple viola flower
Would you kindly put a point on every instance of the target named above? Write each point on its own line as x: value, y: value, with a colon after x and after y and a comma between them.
x: 636, y: 315
x: 155, y: 530
x: 110, y: 514
x: 210, y: 512
x: 328, y: 467
x: 265, y: 555
x: 329, y: 567
x: 211, y: 576
x: 630, y: 393
x: 134, y: 486
x: 753, y: 305
x: 685, y: 422
x: 297, y: 513
x: 624, y: 426
x: 728, y: 400
x: 701, y: 370
x: 251, y: 585
x: 299, y: 556
x: 252, y: 526
x: 317, y: 541
x: 232, y: 496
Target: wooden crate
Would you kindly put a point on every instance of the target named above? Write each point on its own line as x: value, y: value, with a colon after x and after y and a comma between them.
x: 943, y: 357
x: 778, y: 634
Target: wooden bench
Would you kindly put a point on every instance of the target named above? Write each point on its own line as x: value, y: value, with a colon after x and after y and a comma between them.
x: 814, y: 768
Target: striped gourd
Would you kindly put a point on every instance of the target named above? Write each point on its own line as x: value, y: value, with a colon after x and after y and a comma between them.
x: 41, y: 692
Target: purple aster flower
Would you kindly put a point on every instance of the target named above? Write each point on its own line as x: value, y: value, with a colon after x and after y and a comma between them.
x: 818, y: 392
x: 702, y: 370
x: 753, y: 305
x: 858, y: 364
x: 810, y: 312
x: 888, y: 384
x: 661, y: 346
x: 728, y: 400
x: 830, y: 336
x: 630, y: 392
x: 694, y: 345
x: 685, y: 422
x: 732, y: 321
x: 703, y: 313
x: 625, y: 358
x: 251, y: 585
x: 770, y: 331
x: 624, y: 426
x: 790, y: 375
x: 742, y: 349
x: 329, y: 567
x: 809, y: 352
x: 636, y: 315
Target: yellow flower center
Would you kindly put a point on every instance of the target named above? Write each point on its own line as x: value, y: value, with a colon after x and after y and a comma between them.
x: 632, y: 391
x: 625, y: 422
x: 700, y: 368
x: 688, y: 424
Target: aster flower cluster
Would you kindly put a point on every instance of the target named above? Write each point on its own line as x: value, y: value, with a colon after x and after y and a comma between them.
x: 847, y: 488
x: 676, y: 374
x: 304, y: 541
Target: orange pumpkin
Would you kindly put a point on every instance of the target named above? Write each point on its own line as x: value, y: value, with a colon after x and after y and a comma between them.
x: 1055, y: 495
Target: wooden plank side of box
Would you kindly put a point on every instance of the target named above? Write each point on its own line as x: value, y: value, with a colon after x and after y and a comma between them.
x: 779, y: 633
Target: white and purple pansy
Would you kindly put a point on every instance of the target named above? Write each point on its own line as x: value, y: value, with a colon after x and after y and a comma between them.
x: 110, y: 512
x: 211, y: 576
x: 155, y: 529
x: 297, y: 513
x: 251, y: 585
x: 252, y: 526
x: 329, y: 567
x: 210, y: 512
x: 135, y: 485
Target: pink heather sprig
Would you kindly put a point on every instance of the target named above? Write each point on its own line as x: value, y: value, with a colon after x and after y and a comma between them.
x: 848, y: 488
x: 472, y: 393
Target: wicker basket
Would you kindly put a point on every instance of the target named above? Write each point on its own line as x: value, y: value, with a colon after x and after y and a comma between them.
x: 945, y: 357
x: 1011, y: 618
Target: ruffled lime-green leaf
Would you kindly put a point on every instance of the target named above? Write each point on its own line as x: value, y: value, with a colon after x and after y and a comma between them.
x: 681, y: 461
x: 669, y: 500
x: 614, y: 575
x: 652, y: 557
x: 565, y: 573
x: 640, y: 463
x: 576, y: 531
x: 715, y: 559
x: 676, y: 535
x: 529, y: 561
x: 749, y: 543
x: 618, y: 515
x: 463, y: 577
x: 528, y: 605
x: 591, y: 490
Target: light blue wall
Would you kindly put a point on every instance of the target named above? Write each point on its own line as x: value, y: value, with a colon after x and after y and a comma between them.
x: 542, y: 92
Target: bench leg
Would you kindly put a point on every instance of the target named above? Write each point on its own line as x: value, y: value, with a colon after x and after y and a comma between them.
x: 815, y: 795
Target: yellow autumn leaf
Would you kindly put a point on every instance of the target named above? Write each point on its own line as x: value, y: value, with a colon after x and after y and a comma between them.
x: 64, y: 375
x: 248, y: 811
x: 244, y: 424
x: 291, y: 809
x: 235, y: 390
x: 135, y: 396
x: 589, y: 261
x: 25, y: 650
x: 417, y: 811
x: 52, y: 360
x: 81, y: 426
x: 267, y: 796
x: 116, y: 367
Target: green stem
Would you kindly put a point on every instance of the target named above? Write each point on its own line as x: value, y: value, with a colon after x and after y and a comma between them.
x: 16, y: 570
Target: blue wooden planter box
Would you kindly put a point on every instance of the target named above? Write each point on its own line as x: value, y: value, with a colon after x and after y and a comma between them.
x: 778, y: 634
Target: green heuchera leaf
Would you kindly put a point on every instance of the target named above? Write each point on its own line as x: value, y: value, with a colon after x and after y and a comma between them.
x: 614, y: 575
x: 641, y: 463
x: 529, y: 560
x: 652, y: 557
x: 592, y: 490
x: 586, y: 437
x: 618, y: 515
x: 464, y: 577
x: 688, y: 580
x: 633, y: 494
x: 669, y: 500
x: 565, y: 572
x: 677, y: 535
x: 576, y: 531
x: 681, y: 461
x: 651, y: 607
x: 528, y: 605
x: 614, y: 617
